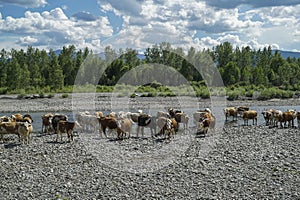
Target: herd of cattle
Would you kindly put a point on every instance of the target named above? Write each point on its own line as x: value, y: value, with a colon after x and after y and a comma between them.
x: 164, y: 124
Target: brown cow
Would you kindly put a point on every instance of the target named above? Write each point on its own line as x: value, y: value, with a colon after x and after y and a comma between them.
x: 165, y: 126
x: 11, y: 128
x: 269, y: 116
x: 241, y: 109
x: 298, y: 118
x: 46, y: 122
x: 250, y: 114
x: 24, y: 131
x: 231, y: 111
x: 207, y: 121
x: 180, y: 117
x: 126, y: 125
x: 66, y: 127
x: 16, y: 117
x: 108, y: 122
x: 289, y: 117
x: 283, y: 117
x: 5, y: 119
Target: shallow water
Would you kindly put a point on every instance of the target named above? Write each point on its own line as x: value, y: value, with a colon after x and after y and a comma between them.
x: 37, y: 122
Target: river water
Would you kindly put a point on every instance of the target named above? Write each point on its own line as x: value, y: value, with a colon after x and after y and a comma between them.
x: 37, y: 122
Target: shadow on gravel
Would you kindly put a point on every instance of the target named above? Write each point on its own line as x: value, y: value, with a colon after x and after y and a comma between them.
x: 39, y: 134
x: 11, y: 145
x: 200, y: 135
x: 59, y: 142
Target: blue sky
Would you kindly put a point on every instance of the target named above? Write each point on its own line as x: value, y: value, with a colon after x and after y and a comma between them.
x: 139, y: 24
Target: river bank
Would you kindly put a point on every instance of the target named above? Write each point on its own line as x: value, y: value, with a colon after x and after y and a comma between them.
x: 109, y: 101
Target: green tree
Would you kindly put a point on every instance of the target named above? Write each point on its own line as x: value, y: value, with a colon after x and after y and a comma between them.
x: 231, y: 74
x: 56, y: 77
x: 223, y: 54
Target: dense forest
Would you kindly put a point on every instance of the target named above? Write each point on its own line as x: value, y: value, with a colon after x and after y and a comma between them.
x: 35, y: 70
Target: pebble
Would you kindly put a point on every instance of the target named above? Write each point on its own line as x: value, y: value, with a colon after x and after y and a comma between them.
x: 254, y: 162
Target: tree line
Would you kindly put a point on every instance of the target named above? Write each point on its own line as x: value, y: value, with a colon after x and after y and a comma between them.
x: 34, y: 69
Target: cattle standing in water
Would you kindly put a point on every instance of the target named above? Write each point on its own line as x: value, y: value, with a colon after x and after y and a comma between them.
x: 242, y: 109
x: 250, y: 114
x: 231, y: 111
x: 269, y: 117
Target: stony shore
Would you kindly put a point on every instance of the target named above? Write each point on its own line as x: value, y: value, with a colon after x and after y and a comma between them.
x: 106, y: 101
x: 234, y: 162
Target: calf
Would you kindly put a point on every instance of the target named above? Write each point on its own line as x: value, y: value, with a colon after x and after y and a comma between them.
x: 250, y: 114
x: 56, y: 118
x: 24, y: 131
x: 66, y: 127
x: 46, y: 122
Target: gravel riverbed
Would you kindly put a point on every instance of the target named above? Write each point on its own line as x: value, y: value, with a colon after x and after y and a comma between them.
x: 234, y: 162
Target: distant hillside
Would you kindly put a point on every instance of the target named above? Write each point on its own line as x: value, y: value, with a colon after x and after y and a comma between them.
x: 286, y: 54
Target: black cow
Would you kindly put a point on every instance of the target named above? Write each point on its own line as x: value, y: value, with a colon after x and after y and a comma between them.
x: 148, y: 121
x: 56, y: 118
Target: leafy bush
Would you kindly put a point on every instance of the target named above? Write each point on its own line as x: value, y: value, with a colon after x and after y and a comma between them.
x: 133, y: 95
x: 51, y: 95
x: 42, y: 95
x: 64, y: 96
x: 3, y: 90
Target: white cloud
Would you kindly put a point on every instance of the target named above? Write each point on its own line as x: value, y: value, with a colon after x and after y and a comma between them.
x: 26, y: 3
x: 28, y: 40
x: 177, y: 21
x: 55, y: 28
x: 184, y: 24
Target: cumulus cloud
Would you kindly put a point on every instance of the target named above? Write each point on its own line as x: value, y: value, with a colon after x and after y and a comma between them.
x: 253, y: 3
x: 28, y: 40
x: 177, y: 22
x: 55, y: 28
x: 26, y: 3
x: 142, y: 23
x: 207, y: 23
